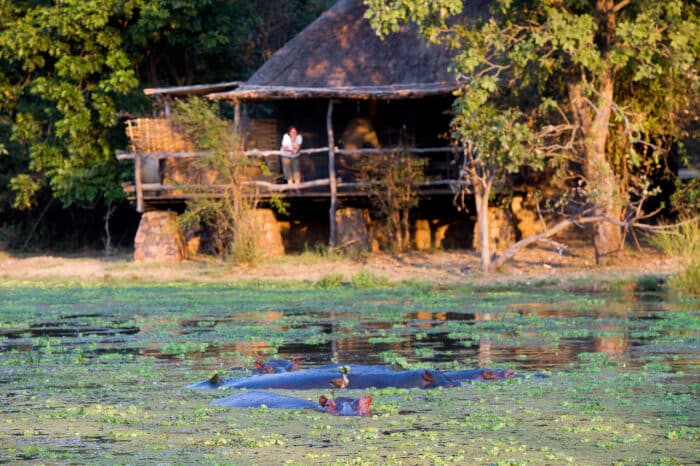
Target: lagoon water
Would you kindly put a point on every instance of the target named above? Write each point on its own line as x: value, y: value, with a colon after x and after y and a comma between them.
x: 97, y: 374
x: 521, y: 329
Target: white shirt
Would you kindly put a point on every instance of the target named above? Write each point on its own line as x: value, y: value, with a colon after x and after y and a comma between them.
x: 287, y: 142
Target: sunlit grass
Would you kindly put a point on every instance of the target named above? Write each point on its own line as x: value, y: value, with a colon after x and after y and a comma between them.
x: 682, y: 243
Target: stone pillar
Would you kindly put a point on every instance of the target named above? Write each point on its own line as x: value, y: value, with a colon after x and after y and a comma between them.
x: 352, y: 228
x: 501, y: 230
x: 441, y: 235
x: 159, y: 238
x: 526, y: 217
x: 270, y: 237
x: 422, y: 236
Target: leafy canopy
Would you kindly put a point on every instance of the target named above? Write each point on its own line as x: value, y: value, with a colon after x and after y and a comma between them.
x: 62, y: 69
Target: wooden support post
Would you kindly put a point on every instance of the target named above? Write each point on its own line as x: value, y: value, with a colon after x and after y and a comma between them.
x: 237, y: 121
x: 138, y: 182
x: 331, y: 175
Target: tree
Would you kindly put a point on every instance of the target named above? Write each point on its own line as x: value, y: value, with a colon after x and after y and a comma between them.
x: 62, y: 71
x: 599, y: 87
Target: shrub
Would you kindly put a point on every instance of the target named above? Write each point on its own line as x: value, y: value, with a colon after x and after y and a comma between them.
x: 230, y: 216
x: 331, y: 280
x: 364, y: 279
x: 392, y: 182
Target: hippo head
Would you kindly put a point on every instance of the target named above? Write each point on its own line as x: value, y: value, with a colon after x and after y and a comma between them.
x: 274, y: 366
x: 497, y: 375
x: 433, y: 379
x: 343, y: 406
x: 264, y: 368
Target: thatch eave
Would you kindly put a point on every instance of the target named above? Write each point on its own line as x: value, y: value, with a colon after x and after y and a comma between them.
x: 196, y: 89
x: 385, y: 92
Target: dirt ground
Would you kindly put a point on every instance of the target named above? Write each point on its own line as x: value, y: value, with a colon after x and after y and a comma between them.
x: 535, y: 264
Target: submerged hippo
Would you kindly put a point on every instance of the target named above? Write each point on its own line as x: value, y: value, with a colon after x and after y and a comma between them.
x: 482, y: 375
x: 359, y: 377
x: 275, y: 366
x: 340, y: 406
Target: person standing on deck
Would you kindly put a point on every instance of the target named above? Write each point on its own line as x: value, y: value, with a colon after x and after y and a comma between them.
x: 289, y: 153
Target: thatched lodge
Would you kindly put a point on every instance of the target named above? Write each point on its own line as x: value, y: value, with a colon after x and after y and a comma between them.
x: 352, y: 96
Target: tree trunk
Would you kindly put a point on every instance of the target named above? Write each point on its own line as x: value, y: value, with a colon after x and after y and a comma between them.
x: 594, y: 121
x: 481, y: 198
x: 607, y: 237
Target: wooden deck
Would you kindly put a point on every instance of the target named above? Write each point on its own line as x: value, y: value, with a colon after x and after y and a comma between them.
x: 441, y: 177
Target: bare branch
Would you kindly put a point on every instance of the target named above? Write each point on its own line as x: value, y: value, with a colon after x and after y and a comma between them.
x: 559, y: 227
x: 620, y: 6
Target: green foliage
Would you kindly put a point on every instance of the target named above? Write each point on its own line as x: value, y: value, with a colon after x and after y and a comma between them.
x: 62, y: 69
x: 231, y: 216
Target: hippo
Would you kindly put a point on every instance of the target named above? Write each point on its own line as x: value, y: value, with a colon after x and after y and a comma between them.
x: 360, y: 377
x: 275, y: 366
x: 483, y: 375
x: 340, y: 406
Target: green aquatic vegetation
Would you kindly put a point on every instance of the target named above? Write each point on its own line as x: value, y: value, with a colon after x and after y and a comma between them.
x: 386, y: 339
x: 685, y: 433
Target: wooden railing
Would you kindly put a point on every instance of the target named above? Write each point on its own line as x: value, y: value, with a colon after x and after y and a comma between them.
x: 449, y: 179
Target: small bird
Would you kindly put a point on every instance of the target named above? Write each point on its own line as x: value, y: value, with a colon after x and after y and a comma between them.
x: 341, y: 382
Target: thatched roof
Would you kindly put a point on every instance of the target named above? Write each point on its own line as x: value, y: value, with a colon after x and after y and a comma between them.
x: 340, y: 55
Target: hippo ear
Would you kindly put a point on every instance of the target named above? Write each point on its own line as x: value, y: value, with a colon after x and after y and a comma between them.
x: 428, y: 378
x: 295, y: 363
x: 258, y: 364
x: 490, y: 375
x: 363, y: 406
x: 322, y: 400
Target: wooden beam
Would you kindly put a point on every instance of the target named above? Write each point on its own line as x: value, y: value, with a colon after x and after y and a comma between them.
x: 196, y: 89
x: 386, y: 92
x: 331, y: 175
x: 184, y: 155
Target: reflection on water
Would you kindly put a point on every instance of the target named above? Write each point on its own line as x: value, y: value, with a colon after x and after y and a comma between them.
x: 526, y: 331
